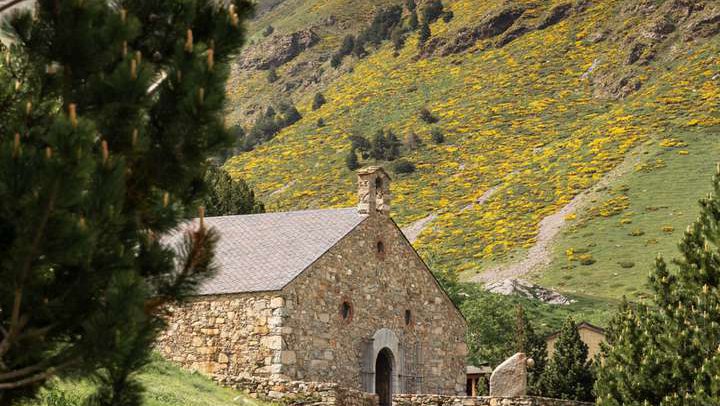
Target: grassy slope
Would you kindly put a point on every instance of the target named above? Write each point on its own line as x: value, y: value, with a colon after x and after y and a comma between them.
x: 521, y: 117
x: 662, y: 196
x: 166, y: 385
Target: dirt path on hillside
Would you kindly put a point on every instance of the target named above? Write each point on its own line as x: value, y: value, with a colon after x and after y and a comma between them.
x: 412, y: 231
x: 540, y: 254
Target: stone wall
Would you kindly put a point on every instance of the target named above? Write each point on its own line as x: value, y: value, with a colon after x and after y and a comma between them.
x: 385, y: 290
x: 237, y: 335
x: 438, y: 400
x: 297, y: 392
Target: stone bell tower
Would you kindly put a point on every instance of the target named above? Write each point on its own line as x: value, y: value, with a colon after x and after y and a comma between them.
x: 373, y: 191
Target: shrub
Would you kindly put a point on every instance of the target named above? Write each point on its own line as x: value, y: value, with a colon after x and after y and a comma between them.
x: 290, y: 114
x: 347, y: 45
x: 320, y: 122
x: 427, y: 116
x: 413, y: 21
x: 626, y: 264
x: 351, y: 161
x: 432, y: 11
x: 272, y: 76
x: 397, y: 38
x: 336, y: 60
x: 410, y: 5
x: 437, y: 136
x: 268, y: 31
x: 403, y: 166
x: 412, y: 141
x: 318, y: 101
x: 383, y: 23
x: 359, y: 48
x: 448, y: 16
x: 424, y: 33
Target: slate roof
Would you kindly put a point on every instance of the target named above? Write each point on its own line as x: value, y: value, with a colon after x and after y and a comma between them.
x: 265, y: 252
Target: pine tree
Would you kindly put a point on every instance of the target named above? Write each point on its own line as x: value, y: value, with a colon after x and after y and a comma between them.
x: 413, y: 21
x: 437, y: 136
x: 392, y: 146
x: 351, y: 161
x: 567, y: 374
x: 397, y: 38
x: 103, y: 148
x: 335, y: 60
x: 534, y: 346
x: 424, y: 33
x: 226, y: 196
x: 378, y: 146
x: 627, y: 376
x: 272, y: 75
x: 675, y: 361
x: 347, y: 45
x: 318, y: 101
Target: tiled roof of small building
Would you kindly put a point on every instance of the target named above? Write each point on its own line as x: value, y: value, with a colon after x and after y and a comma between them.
x: 265, y: 252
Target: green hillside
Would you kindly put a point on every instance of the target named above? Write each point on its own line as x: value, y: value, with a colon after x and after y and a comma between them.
x: 165, y: 385
x: 533, y: 117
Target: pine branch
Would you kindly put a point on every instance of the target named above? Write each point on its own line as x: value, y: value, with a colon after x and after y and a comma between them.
x: 17, y: 322
x: 49, y: 373
x: 10, y: 4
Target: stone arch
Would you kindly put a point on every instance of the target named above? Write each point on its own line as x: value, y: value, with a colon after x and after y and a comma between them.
x: 385, y: 340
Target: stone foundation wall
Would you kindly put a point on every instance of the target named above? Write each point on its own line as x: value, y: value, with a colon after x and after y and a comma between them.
x: 439, y: 400
x: 236, y: 334
x: 298, y: 392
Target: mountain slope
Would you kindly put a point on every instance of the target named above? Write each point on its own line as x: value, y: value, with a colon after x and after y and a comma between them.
x: 532, y: 117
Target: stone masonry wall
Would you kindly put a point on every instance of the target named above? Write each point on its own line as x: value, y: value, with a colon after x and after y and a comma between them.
x: 437, y: 400
x: 297, y: 392
x: 381, y: 287
x: 238, y: 334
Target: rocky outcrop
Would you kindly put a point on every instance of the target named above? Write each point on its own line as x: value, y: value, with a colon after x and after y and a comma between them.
x: 278, y: 50
x: 508, y: 22
x: 519, y: 287
x: 492, y: 24
x: 657, y: 31
x: 555, y: 15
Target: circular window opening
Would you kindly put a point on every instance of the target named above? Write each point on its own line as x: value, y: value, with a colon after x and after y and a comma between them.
x: 380, y: 247
x: 346, y: 311
x: 408, y: 317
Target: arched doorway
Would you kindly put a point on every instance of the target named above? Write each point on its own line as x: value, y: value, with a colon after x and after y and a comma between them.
x: 384, y: 366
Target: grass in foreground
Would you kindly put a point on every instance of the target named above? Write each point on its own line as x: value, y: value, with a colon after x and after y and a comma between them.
x: 165, y: 384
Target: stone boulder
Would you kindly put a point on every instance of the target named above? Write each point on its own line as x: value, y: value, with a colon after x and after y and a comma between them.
x: 277, y: 50
x: 509, y: 379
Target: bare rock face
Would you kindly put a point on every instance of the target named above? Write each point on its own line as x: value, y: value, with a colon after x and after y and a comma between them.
x: 520, y: 287
x: 277, y: 50
x: 509, y: 379
x: 492, y: 24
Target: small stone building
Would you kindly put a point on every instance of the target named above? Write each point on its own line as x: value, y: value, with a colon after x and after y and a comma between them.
x: 335, y: 295
x: 590, y: 334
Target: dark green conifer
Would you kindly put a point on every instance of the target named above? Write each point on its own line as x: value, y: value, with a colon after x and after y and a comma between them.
x: 227, y: 197
x: 351, y: 161
x: 567, y: 374
x: 103, y: 150
x: 534, y: 346
x: 424, y: 33
x: 668, y: 352
x: 318, y: 101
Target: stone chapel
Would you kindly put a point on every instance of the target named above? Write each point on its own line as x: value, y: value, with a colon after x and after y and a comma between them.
x: 336, y: 295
